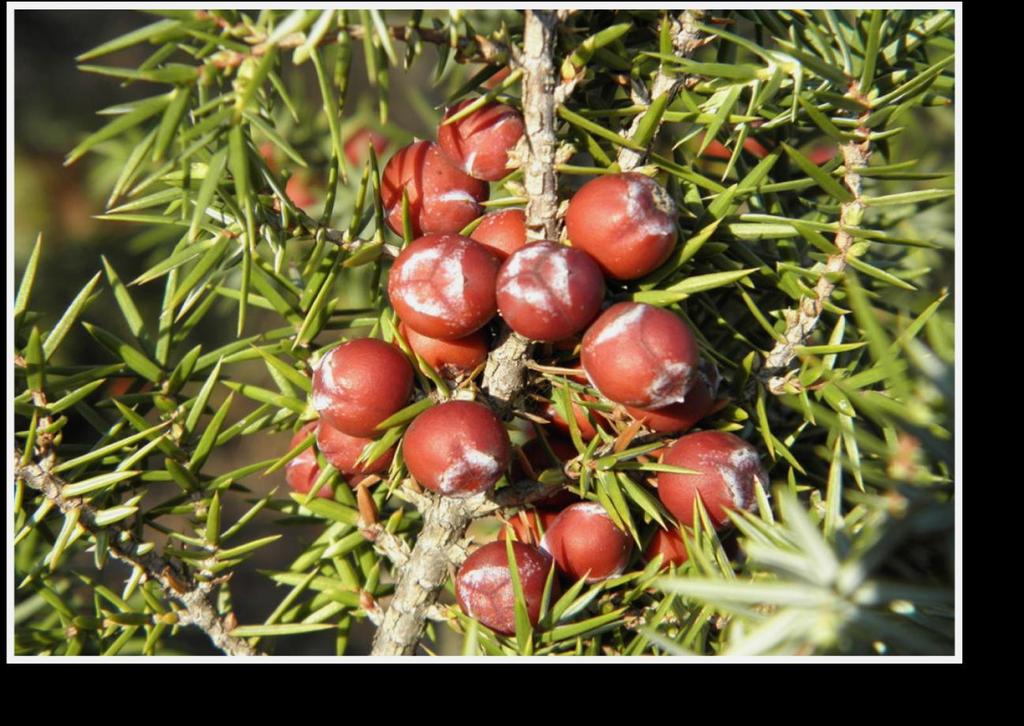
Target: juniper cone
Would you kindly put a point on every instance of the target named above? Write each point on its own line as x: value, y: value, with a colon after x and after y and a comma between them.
x: 593, y: 332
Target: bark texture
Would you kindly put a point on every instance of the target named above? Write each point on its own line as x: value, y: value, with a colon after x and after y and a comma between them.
x: 194, y: 596
x: 686, y: 38
x: 801, y: 321
x: 423, y: 575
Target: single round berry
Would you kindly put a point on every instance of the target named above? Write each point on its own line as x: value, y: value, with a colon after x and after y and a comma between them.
x: 728, y: 467
x: 442, y: 286
x: 680, y: 417
x: 484, y: 589
x: 502, y: 233
x: 359, y: 384
x: 585, y: 541
x: 529, y: 525
x: 302, y: 471
x: 547, y: 291
x: 627, y: 222
x: 479, y: 143
x: 457, y: 448
x: 342, y: 451
x: 357, y: 146
x: 640, y: 355
x: 442, y: 199
x: 450, y: 358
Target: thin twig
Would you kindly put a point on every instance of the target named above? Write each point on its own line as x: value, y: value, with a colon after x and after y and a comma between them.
x: 686, y: 38
x: 475, y: 48
x: 195, y: 596
x: 801, y: 321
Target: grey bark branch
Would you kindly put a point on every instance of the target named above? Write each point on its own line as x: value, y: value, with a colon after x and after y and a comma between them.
x: 686, y: 38
x: 801, y: 321
x: 422, y: 577
x: 194, y: 596
x: 440, y: 546
x: 505, y: 371
x: 539, y: 115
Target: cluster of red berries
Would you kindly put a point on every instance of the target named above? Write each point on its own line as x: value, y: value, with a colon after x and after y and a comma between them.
x: 445, y: 288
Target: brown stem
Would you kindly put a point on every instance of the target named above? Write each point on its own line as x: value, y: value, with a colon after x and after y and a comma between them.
x: 195, y: 596
x: 801, y: 321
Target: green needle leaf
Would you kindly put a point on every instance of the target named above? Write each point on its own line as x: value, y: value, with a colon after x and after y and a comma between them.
x: 819, y: 175
x: 56, y: 335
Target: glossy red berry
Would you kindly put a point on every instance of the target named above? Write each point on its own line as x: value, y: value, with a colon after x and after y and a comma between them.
x: 640, y: 355
x: 585, y: 541
x: 626, y: 222
x: 728, y: 468
x: 457, y: 448
x: 479, y: 143
x: 822, y: 153
x: 718, y: 150
x: 442, y: 286
x: 359, y: 384
x: 450, y: 358
x: 302, y: 471
x: 547, y: 291
x: 342, y: 451
x: 484, y: 589
x: 442, y: 199
x: 680, y: 417
x: 502, y: 233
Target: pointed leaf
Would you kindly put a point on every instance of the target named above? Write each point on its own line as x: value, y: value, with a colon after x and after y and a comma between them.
x: 27, y: 278
x: 132, y: 357
x: 823, y: 178
x: 61, y: 328
x: 162, y: 29
x: 171, y: 121
x: 118, y: 126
